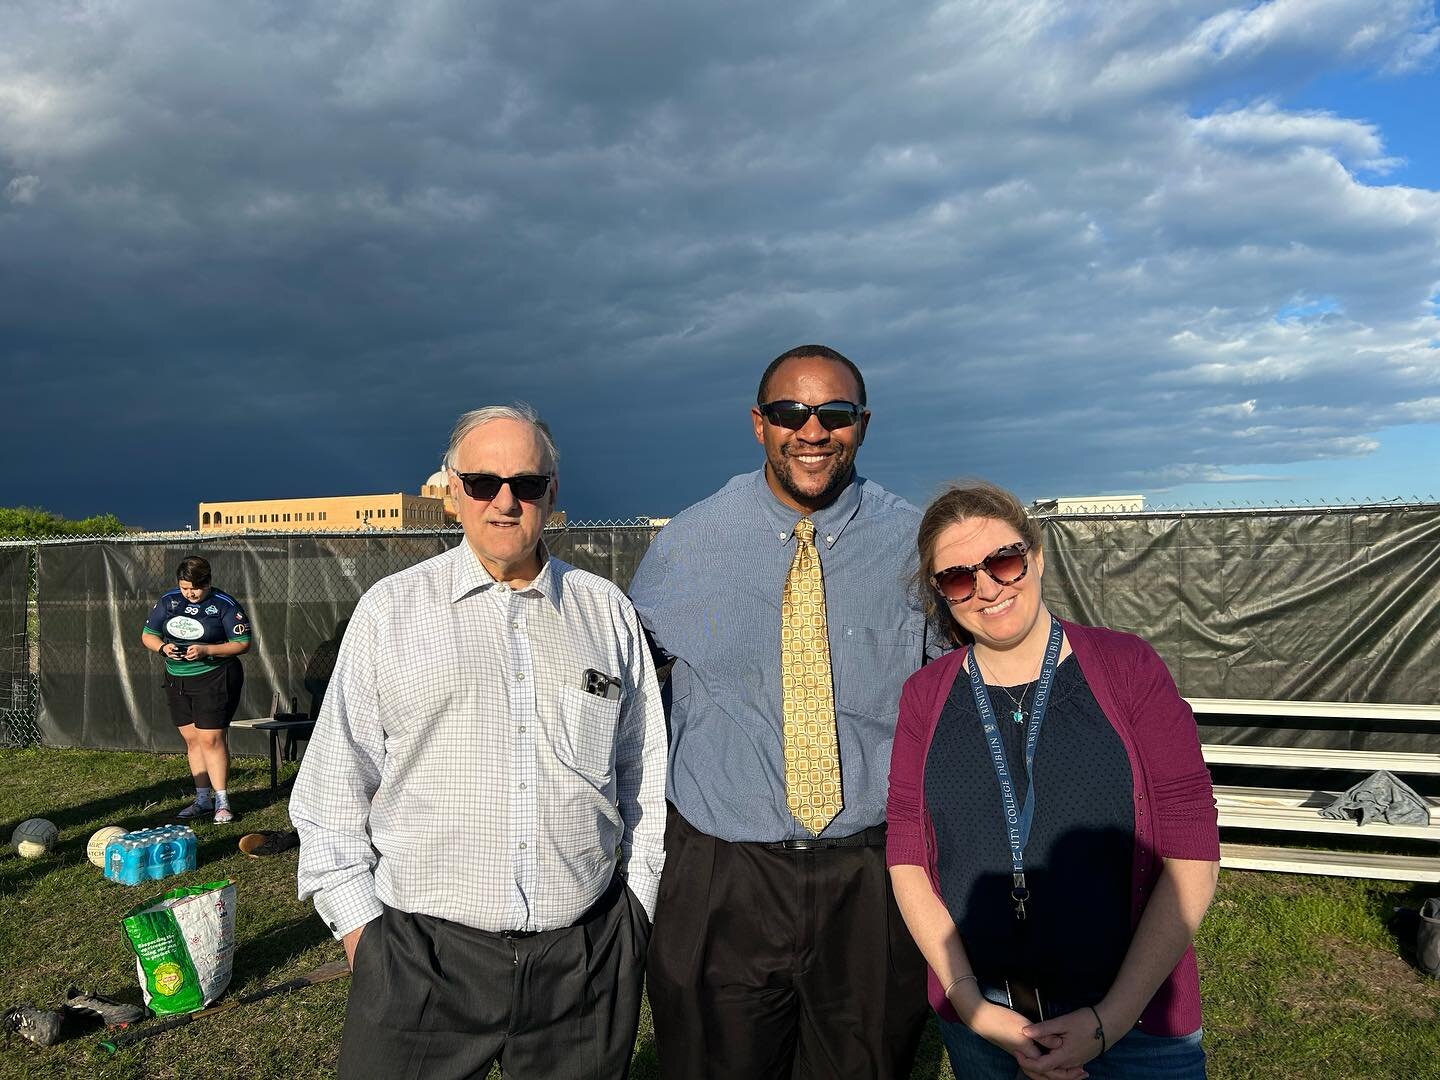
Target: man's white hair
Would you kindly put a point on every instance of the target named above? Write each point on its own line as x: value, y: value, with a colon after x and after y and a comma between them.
x: 518, y: 411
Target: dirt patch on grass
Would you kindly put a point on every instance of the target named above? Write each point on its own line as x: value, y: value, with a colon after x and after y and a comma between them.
x: 1367, y: 981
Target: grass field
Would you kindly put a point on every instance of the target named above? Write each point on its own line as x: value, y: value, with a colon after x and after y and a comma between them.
x: 1301, y: 977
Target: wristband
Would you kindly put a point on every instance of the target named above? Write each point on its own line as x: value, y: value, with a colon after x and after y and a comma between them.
x: 1099, y: 1029
x: 956, y: 982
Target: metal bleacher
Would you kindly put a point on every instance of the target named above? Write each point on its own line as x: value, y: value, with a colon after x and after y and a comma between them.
x: 1276, y: 811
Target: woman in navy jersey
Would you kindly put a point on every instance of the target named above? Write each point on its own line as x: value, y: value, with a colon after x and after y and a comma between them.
x: 1052, y: 829
x: 200, y: 632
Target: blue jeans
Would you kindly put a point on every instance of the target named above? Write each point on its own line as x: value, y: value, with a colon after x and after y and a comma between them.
x: 1137, y: 1056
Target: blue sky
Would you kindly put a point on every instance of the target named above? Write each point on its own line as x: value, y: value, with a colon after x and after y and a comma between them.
x: 1189, y: 249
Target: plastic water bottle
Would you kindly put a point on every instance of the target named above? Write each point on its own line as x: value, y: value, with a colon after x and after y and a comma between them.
x: 151, y: 854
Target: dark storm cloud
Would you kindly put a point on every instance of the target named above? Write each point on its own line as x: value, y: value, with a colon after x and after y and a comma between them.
x: 284, y: 244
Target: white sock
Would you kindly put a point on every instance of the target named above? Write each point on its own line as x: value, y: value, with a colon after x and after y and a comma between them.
x: 221, y: 798
x: 202, y: 795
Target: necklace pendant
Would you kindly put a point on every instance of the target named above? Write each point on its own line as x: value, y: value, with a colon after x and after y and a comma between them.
x: 1018, y: 716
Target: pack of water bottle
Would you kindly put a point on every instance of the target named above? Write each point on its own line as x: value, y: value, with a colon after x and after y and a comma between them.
x: 150, y: 854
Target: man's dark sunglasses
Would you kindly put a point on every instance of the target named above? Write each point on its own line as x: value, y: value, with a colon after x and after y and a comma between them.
x: 529, y: 487
x: 796, y: 414
x: 1005, y: 566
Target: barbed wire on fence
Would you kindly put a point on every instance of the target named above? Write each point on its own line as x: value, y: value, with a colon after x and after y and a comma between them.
x: 1101, y: 506
x: 200, y: 537
x: 1107, y: 507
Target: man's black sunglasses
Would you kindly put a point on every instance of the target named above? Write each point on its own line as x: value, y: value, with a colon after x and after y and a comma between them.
x: 796, y: 414
x: 529, y: 487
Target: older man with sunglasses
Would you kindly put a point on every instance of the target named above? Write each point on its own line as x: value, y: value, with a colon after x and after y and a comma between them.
x: 778, y: 950
x: 481, y: 810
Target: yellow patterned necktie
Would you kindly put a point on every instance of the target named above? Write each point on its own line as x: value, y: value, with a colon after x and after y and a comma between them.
x: 812, y: 752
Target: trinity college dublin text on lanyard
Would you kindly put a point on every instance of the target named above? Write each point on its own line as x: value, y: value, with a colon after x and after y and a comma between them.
x: 1017, y: 820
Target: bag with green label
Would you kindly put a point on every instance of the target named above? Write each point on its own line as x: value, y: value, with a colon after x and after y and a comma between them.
x: 184, y: 942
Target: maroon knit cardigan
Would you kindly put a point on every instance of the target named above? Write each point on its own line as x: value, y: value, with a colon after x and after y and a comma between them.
x: 1175, y: 814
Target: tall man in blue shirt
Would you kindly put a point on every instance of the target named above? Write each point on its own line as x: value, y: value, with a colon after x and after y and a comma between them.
x: 777, y: 949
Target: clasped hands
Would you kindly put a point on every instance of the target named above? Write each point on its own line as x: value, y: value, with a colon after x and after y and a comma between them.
x: 1051, y: 1050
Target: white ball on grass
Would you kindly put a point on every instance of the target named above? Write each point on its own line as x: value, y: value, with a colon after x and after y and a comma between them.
x: 34, y: 837
x: 99, y: 840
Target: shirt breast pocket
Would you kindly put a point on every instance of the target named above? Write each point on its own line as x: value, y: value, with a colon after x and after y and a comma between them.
x: 585, y: 736
x: 874, y: 664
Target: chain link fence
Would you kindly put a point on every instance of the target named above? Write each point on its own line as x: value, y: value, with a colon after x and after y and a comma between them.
x: 19, y: 658
x: 1338, y: 602
x: 72, y: 613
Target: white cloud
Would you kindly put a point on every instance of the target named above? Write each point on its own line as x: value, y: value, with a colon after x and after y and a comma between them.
x: 1055, y: 255
x: 21, y: 190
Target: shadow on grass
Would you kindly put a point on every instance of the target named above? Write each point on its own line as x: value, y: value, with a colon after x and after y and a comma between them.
x: 154, y: 804
x: 260, y: 957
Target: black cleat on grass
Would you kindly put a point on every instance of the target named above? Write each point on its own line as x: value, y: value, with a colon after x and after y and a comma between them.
x: 109, y: 1012
x: 39, y: 1026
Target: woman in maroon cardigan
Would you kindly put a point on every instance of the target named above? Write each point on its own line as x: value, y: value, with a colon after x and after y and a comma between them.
x: 1052, y: 829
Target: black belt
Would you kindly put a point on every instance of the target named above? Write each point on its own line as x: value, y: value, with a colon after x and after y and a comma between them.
x: 871, y: 837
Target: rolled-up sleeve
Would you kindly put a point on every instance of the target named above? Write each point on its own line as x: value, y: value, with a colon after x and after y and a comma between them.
x: 330, y: 803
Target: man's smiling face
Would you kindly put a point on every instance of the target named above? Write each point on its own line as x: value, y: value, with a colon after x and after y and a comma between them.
x: 808, y: 467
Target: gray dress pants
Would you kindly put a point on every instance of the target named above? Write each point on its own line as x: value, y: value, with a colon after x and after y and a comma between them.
x: 438, y: 1000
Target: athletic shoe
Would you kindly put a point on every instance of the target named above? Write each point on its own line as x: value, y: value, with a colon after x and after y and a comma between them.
x: 259, y: 844
x: 223, y: 815
x: 40, y: 1027
x: 195, y: 809
x: 110, y: 1012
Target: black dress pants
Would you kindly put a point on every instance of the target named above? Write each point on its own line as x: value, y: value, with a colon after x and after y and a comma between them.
x: 768, y: 963
x: 438, y: 1000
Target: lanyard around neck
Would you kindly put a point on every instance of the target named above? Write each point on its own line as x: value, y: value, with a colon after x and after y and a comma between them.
x: 1018, y: 819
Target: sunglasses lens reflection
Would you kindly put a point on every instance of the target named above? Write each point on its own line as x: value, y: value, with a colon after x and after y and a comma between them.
x: 481, y: 485
x: 956, y: 585
x: 1006, y: 568
x: 789, y: 415
x: 529, y: 488
x: 830, y: 419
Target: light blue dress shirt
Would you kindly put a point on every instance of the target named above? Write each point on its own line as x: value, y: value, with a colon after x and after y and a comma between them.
x: 709, y: 592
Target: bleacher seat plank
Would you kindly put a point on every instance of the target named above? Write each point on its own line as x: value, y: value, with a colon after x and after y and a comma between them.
x: 1357, y: 864
x: 1299, y: 811
x: 1324, y: 710
x: 1303, y: 757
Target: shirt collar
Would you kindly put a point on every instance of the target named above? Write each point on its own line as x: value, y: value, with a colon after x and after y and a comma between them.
x: 468, y: 575
x: 830, y: 521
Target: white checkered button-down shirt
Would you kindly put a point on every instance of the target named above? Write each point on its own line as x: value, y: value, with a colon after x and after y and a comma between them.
x: 458, y: 769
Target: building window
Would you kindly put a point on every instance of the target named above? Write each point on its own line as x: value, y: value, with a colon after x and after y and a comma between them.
x: 322, y: 515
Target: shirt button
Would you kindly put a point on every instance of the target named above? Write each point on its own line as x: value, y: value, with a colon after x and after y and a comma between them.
x: 522, y: 729
x: 520, y: 677
x: 522, y: 785
x: 515, y: 625
x: 522, y: 845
